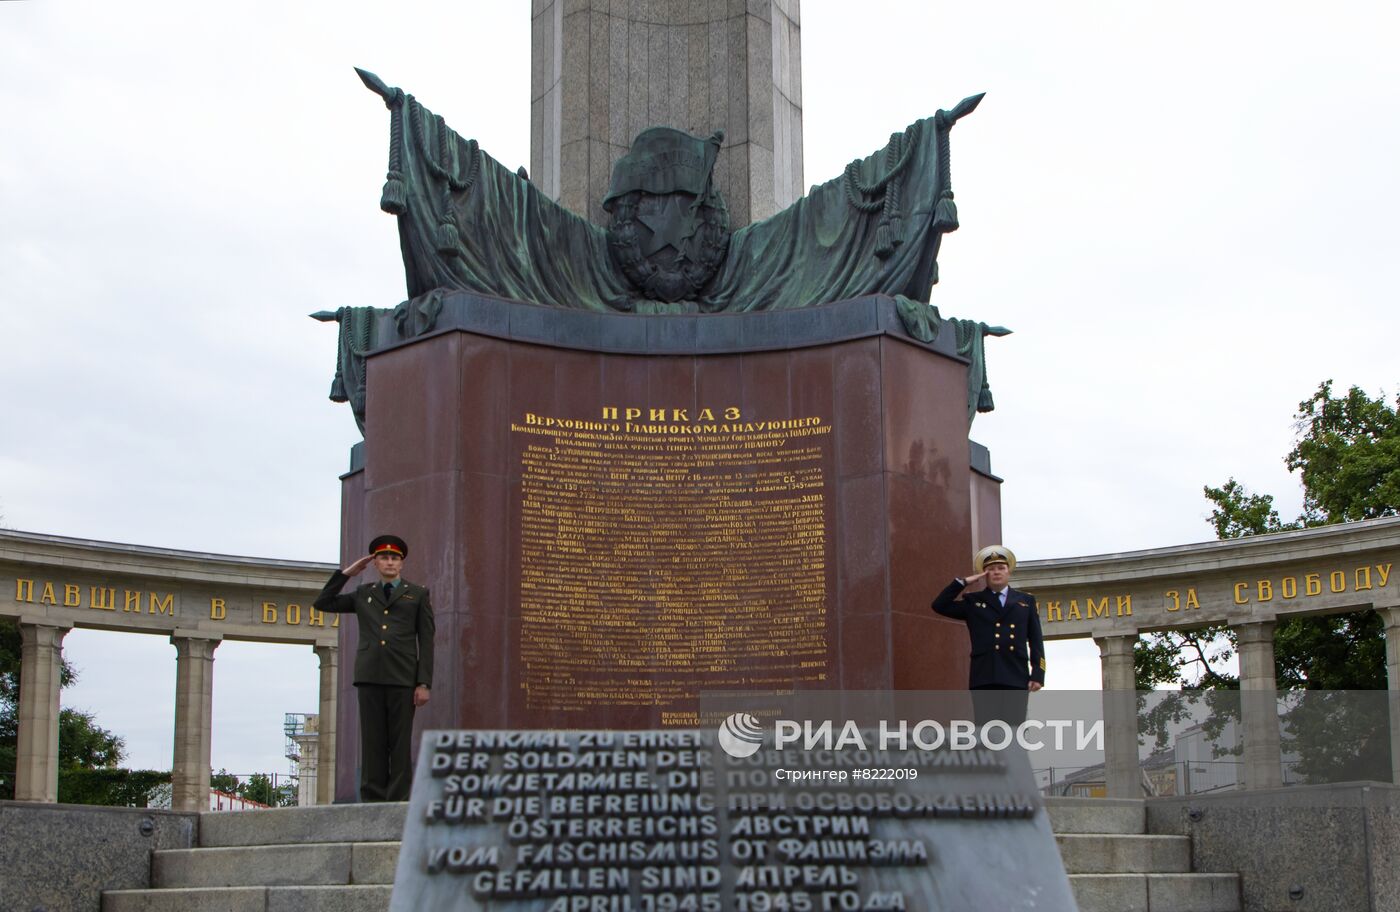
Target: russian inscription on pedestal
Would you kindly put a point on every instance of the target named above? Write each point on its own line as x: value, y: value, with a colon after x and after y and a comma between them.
x: 659, y: 557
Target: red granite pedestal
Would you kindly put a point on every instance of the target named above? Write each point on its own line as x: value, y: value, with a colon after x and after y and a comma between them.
x: 460, y: 459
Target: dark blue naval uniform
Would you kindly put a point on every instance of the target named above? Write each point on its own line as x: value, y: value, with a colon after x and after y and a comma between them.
x: 1005, y: 641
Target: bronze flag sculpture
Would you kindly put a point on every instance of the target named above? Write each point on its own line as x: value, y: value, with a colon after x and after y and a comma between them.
x: 468, y: 223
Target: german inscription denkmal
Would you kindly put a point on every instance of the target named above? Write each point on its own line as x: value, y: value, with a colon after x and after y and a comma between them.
x: 664, y: 821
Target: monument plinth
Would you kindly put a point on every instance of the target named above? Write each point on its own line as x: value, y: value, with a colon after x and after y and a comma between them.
x: 617, y: 512
x: 640, y: 452
x: 513, y: 821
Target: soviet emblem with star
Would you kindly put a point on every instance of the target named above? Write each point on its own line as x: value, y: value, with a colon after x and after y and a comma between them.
x: 670, y: 226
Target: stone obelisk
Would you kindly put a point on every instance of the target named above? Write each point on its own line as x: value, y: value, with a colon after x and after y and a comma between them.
x: 604, y: 70
x: 620, y: 510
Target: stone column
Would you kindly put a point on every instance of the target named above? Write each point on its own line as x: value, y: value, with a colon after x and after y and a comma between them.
x: 194, y: 700
x: 329, y: 654
x: 1391, y: 616
x: 1122, y: 776
x: 36, y: 766
x: 602, y: 72
x: 308, y: 763
x: 1263, y: 758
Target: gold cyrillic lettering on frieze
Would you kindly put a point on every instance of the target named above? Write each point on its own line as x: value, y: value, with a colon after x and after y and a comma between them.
x: 1174, y: 602
x: 1336, y: 580
x: 291, y: 615
x: 141, y: 603
x: 1367, y: 577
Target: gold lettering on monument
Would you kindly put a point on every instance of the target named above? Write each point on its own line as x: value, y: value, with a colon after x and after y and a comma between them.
x: 138, y: 602
x: 660, y: 559
x: 1336, y: 581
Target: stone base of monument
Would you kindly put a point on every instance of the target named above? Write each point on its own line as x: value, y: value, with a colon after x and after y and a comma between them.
x: 615, y: 512
x: 344, y: 858
x: 641, y: 821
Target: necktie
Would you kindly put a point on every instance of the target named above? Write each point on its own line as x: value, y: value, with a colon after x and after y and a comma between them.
x: 388, y: 591
x: 1001, y: 597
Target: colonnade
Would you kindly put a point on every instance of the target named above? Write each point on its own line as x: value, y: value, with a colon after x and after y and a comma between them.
x: 1262, y: 761
x: 36, y: 773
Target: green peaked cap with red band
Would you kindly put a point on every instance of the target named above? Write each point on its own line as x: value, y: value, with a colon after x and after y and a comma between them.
x: 390, y: 544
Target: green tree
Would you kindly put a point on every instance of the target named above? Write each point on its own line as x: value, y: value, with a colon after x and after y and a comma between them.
x: 113, y: 786
x: 259, y: 788
x: 224, y: 781
x: 1239, y: 513
x: 83, y: 744
x: 1347, y: 456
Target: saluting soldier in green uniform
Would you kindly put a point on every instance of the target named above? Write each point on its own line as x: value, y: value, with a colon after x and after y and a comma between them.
x: 393, y: 664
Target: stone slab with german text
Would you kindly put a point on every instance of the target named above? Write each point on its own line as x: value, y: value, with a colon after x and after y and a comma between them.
x: 662, y: 821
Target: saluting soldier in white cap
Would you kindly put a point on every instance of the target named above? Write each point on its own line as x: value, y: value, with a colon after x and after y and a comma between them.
x: 1003, y: 625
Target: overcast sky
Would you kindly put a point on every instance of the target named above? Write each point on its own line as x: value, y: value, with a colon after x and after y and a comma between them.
x: 1186, y: 212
